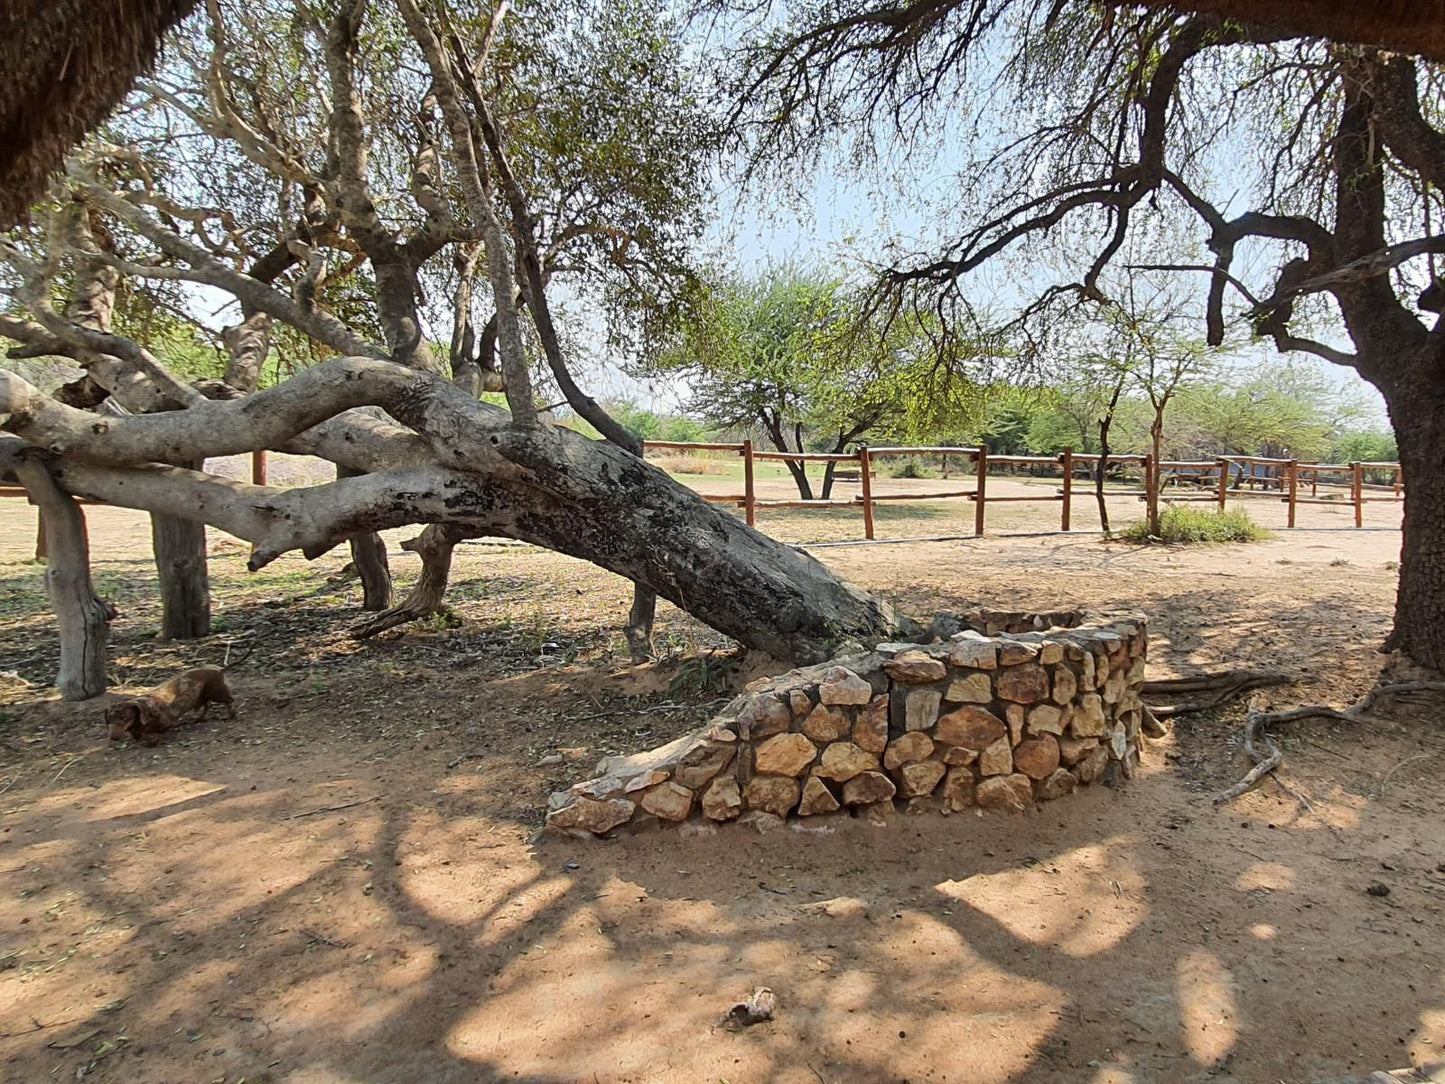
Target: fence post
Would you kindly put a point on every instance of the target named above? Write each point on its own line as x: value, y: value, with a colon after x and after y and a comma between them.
x: 981, y: 459
x: 865, y: 469
x: 1357, y: 492
x: 750, y: 506
x: 1149, y: 495
x: 258, y: 468
x: 1068, y: 460
x: 42, y: 552
x: 1291, y: 471
x: 1223, y: 481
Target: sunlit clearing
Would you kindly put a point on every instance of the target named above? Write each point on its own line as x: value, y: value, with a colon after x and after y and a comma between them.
x: 1206, y: 1007
x: 1082, y: 902
x: 1266, y: 875
x: 130, y: 797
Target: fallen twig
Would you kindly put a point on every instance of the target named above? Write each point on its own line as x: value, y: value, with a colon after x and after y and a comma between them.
x: 1268, y: 762
x: 1380, y: 786
x: 330, y: 808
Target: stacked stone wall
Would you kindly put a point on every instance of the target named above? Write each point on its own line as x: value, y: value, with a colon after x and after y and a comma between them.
x: 1011, y: 710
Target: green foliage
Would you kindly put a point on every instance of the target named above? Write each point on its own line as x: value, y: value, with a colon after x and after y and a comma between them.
x: 1365, y: 448
x: 1181, y: 525
x: 910, y: 468
x: 794, y: 352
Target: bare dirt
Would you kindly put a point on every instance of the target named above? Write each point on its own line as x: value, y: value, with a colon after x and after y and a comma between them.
x: 339, y: 885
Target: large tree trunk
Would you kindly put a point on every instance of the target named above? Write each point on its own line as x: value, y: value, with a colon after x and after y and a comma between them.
x: 180, y: 552
x: 1417, y: 407
x: 83, y: 617
x: 464, y: 464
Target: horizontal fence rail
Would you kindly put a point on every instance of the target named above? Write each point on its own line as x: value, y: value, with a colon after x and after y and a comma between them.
x: 1209, y: 481
x: 1215, y: 481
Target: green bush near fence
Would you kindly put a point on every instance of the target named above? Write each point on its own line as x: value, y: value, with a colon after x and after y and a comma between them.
x: 1183, y: 525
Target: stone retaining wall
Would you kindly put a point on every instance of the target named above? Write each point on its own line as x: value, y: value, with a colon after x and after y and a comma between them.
x: 1014, y: 709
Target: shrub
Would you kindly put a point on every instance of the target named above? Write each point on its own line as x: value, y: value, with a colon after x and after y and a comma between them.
x: 1181, y: 525
x: 911, y: 468
x: 689, y: 464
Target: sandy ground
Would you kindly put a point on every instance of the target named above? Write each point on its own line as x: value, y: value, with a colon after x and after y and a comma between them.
x: 339, y: 886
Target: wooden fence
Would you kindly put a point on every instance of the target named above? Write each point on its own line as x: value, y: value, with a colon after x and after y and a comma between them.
x: 1215, y: 480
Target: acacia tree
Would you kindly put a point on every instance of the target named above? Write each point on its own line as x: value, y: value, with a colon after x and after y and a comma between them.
x: 1121, y: 120
x: 361, y: 253
x: 792, y: 353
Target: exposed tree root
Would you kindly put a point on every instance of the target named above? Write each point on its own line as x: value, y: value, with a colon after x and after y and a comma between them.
x: 1268, y: 761
x: 1225, y: 686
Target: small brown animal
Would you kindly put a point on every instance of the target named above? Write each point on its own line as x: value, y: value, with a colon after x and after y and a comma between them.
x: 146, y: 718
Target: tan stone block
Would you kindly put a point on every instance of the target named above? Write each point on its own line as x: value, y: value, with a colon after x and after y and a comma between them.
x: 825, y: 724
x: 1037, y: 757
x: 1060, y: 782
x: 957, y: 754
x: 1066, y: 685
x: 920, y: 709
x: 775, y: 794
x: 670, y: 801
x: 1011, y: 652
x: 723, y: 800
x: 997, y: 759
x: 1088, y: 720
x: 842, y: 686
x: 765, y: 716
x: 870, y: 732
x: 917, y: 780
x: 592, y: 815
x: 1009, y: 792
x: 817, y: 798
x: 975, y: 688
x: 977, y: 654
x: 800, y: 702
x: 1014, y: 715
x: 958, y: 789
x: 703, y: 765
x: 1050, y: 653
x: 785, y: 754
x: 908, y: 749
x: 1023, y: 684
x: 868, y: 788
x: 1046, y: 719
x: 915, y: 668
x: 843, y: 760
x: 1073, y: 750
x: 1092, y: 765
x: 971, y: 727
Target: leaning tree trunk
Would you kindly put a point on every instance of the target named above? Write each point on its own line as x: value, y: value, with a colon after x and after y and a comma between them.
x: 180, y: 552
x: 83, y: 617
x: 1417, y: 409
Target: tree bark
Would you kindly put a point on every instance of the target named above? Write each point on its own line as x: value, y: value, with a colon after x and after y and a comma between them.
x: 1416, y: 401
x: 84, y: 618
x: 638, y: 629
x: 467, y: 466
x: 180, y: 553
x: 434, y: 546
x: 368, y: 554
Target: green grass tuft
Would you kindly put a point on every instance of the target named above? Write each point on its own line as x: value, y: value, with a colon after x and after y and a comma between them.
x: 1182, y: 525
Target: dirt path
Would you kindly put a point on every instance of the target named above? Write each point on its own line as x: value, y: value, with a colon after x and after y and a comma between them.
x: 186, y: 913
